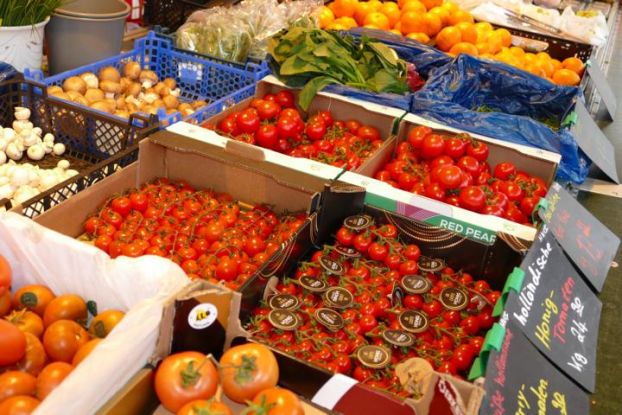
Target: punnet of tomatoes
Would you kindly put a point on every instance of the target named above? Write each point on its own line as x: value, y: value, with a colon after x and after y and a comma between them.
x: 187, y: 383
x: 369, y: 292
x: 454, y: 169
x: 43, y: 337
x: 209, y: 234
x: 273, y: 122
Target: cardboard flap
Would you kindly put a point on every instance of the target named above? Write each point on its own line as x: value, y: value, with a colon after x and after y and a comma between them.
x: 245, y: 150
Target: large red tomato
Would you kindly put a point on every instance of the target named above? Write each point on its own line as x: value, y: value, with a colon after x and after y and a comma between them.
x: 247, y: 370
x: 12, y: 343
x: 185, y: 377
x: 35, y: 358
x: 63, y: 338
x: 50, y: 377
x: 14, y: 382
x: 33, y: 297
x: 276, y: 401
x: 65, y: 307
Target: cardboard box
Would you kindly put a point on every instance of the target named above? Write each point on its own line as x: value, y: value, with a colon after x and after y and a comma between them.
x: 385, y: 119
x: 472, y: 225
x: 444, y: 394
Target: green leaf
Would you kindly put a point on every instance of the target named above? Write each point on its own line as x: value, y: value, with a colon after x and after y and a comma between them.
x: 384, y: 81
x: 312, y: 88
x: 385, y: 53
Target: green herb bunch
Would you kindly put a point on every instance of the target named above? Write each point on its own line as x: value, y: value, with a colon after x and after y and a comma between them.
x: 315, y: 58
x: 26, y: 12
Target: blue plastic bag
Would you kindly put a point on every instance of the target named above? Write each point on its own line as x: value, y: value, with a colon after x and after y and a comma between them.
x: 454, y: 93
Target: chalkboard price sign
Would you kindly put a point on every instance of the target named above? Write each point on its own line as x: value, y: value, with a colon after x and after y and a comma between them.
x: 557, y: 310
x: 519, y: 380
x: 588, y: 242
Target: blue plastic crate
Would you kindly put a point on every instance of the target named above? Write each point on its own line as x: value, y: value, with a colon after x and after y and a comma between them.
x: 198, y: 78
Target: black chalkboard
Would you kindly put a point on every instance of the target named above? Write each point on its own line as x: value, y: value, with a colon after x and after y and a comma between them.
x: 519, y: 380
x: 557, y: 310
x: 594, y: 143
x: 603, y: 88
x: 588, y: 243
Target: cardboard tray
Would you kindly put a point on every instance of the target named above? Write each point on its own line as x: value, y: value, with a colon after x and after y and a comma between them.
x: 385, y: 119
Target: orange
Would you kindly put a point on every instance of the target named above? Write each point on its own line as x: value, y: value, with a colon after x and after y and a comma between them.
x: 433, y: 24
x: 442, y: 13
x: 482, y: 48
x: 336, y: 26
x: 486, y: 56
x: 463, y: 47
x: 516, y: 51
x: 362, y: 10
x: 325, y: 17
x: 506, y: 37
x: 392, y: 11
x: 412, y: 22
x: 419, y: 37
x: 450, y: 7
x: 429, y: 4
x: 529, y: 57
x: 556, y: 64
x: 566, y: 77
x: 468, y: 32
x: 396, y: 32
x: 347, y: 22
x: 375, y: 5
x: 448, y: 37
x: 574, y: 64
x: 414, y: 5
x: 344, y: 8
x: 543, y: 55
x: 535, y: 68
x: 378, y: 20
x: 398, y: 27
x: 483, y: 26
x: 494, y: 44
x: 460, y: 16
x: 548, y: 67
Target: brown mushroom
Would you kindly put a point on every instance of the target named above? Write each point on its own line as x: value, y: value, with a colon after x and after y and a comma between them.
x: 110, y: 88
x: 132, y: 107
x: 102, y: 106
x: 54, y: 89
x: 148, y: 78
x: 122, y: 113
x: 61, y: 95
x: 80, y: 100
x: 184, y: 106
x: 198, y: 104
x: 125, y: 83
x: 186, y: 111
x: 133, y: 90
x: 111, y: 103
x: 170, y: 101
x: 158, y: 103
x: 161, y: 89
x: 109, y: 73
x: 91, y: 79
x: 74, y: 83
x: 94, y: 95
x: 121, y: 104
x: 132, y: 70
x: 170, y: 83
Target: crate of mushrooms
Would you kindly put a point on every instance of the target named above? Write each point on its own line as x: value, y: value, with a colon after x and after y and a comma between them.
x: 51, y: 149
x: 153, y: 78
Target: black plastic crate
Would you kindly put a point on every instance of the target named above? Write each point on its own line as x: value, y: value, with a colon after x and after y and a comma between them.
x: 173, y: 13
x: 96, y: 144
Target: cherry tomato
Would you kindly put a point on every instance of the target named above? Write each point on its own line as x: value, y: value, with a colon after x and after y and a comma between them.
x: 368, y: 133
x: 315, y: 130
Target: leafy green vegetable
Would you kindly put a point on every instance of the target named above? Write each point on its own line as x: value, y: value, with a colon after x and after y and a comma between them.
x: 26, y: 12
x: 552, y: 123
x: 316, y: 58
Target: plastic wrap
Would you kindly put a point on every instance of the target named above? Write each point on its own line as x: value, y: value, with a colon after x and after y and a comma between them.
x: 503, y: 102
x: 139, y: 286
x: 592, y: 28
x: 241, y: 32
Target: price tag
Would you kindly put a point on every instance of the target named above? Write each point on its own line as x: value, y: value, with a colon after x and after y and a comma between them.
x: 557, y: 310
x: 594, y: 143
x: 588, y: 242
x: 519, y: 380
x: 603, y: 88
x: 284, y: 302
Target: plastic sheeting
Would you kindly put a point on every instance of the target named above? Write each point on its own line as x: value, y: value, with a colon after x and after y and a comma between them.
x: 512, y: 100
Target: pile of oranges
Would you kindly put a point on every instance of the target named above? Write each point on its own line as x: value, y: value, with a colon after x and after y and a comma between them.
x: 449, y: 29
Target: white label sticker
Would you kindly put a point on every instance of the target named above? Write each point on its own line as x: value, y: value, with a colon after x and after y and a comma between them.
x: 202, y: 316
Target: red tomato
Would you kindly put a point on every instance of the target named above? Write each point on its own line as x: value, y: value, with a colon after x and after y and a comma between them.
x: 247, y: 370
x: 469, y: 165
x: 472, y: 198
x: 449, y: 177
x: 285, y: 99
x: 528, y: 204
x: 369, y: 133
x: 455, y: 147
x: 267, y: 136
x: 5, y: 275
x: 417, y: 135
x: 248, y: 121
x: 122, y: 205
x: 138, y: 201
x: 19, y: 405
x: 185, y: 377
x: 512, y: 190
x: 268, y: 110
x: 52, y: 376
x: 504, y: 171
x: 315, y: 130
x: 229, y: 126
x: 352, y: 126
x: 478, y: 150
x: 227, y: 269
x: 12, y: 343
x: 435, y: 191
x: 327, y: 117
x: 433, y: 146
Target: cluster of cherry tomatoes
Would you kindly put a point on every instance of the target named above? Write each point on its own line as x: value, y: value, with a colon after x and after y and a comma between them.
x: 42, y: 338
x: 454, y: 169
x: 208, y: 233
x: 370, y: 289
x: 186, y: 383
x: 273, y: 122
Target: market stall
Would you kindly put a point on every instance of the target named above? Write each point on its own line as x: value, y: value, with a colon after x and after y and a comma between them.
x: 306, y: 207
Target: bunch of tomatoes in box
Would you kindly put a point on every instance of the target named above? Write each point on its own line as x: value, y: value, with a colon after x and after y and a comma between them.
x: 274, y: 123
x: 453, y: 168
x: 43, y: 337
x: 208, y: 233
x: 370, y: 301
x: 187, y: 383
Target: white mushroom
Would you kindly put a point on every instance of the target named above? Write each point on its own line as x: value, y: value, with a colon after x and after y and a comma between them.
x: 48, y: 147
x: 35, y: 152
x: 63, y: 164
x: 2, y: 158
x: 48, y: 138
x: 19, y: 177
x: 3, y: 143
x: 22, y: 114
x: 38, y: 131
x: 58, y: 149
x: 6, y: 191
x: 20, y: 126
x: 31, y: 140
x: 9, y: 134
